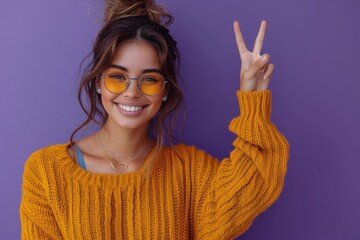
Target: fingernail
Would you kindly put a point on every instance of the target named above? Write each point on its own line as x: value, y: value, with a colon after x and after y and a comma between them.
x: 264, y: 58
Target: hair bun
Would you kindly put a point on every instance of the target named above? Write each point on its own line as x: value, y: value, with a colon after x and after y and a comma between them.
x: 117, y: 9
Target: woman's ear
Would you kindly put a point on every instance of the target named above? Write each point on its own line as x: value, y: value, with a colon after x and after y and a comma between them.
x: 97, y: 85
x: 165, y: 96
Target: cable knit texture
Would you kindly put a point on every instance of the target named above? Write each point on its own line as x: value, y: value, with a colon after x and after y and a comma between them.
x: 186, y: 195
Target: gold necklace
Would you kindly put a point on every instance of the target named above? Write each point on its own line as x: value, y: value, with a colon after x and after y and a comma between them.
x: 121, y: 166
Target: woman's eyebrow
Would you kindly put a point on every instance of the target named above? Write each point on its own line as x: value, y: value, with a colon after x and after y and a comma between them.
x: 119, y: 67
x: 151, y: 70
x: 144, y: 71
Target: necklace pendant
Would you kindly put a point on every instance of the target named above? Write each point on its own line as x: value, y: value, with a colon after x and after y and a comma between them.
x: 120, y: 166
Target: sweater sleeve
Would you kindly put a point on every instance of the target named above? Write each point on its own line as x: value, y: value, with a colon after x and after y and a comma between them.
x: 36, y: 215
x: 250, y: 180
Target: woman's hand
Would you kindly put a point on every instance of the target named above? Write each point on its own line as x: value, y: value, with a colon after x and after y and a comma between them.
x: 255, y: 72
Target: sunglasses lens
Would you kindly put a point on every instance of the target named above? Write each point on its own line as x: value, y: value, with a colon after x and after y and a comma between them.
x: 115, y: 83
x: 151, y: 84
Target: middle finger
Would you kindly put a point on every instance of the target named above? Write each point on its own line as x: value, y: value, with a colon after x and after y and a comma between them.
x: 260, y: 38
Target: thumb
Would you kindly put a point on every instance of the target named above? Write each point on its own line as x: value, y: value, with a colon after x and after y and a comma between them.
x: 258, y: 65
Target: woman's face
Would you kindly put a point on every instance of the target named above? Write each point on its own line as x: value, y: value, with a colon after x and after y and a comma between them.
x: 132, y: 109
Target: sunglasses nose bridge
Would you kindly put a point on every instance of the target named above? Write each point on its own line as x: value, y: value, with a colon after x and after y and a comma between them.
x: 129, y: 90
x: 134, y: 79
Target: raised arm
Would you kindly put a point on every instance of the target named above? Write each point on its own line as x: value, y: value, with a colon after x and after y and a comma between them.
x: 251, y: 179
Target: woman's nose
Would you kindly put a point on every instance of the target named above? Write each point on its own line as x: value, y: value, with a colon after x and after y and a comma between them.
x: 133, y: 90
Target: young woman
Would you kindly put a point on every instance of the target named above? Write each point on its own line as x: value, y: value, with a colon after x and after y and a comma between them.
x: 122, y: 182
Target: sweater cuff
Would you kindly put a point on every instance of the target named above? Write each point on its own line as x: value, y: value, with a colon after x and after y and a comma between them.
x: 255, y: 105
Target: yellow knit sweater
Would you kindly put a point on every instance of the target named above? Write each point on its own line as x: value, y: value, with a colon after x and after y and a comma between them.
x: 187, y: 194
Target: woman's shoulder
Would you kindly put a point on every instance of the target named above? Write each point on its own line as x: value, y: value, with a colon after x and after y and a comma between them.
x: 189, y: 154
x: 180, y: 149
x: 55, y: 149
x: 48, y: 154
x: 43, y: 160
x: 191, y: 160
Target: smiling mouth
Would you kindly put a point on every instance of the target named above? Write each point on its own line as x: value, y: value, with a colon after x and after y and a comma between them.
x: 131, y: 108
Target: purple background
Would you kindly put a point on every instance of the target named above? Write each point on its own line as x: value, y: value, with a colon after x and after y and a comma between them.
x: 313, y: 44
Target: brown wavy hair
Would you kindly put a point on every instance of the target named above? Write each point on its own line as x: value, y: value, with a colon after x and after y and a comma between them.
x: 132, y: 20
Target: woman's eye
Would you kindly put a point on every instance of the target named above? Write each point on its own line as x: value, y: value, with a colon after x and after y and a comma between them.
x: 118, y: 77
x: 150, y: 80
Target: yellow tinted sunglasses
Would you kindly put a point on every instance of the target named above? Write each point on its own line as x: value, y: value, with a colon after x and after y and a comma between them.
x: 118, y: 81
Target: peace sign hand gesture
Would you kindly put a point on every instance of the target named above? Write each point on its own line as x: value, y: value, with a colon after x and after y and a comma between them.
x: 255, y: 72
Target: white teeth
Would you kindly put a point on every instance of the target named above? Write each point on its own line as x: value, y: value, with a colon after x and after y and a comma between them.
x: 130, y: 108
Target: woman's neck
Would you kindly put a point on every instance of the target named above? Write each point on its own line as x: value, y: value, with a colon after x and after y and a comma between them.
x: 123, y: 141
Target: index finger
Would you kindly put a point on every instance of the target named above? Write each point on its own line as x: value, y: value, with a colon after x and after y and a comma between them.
x: 260, y: 38
x: 239, y: 39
